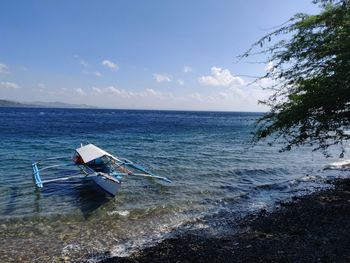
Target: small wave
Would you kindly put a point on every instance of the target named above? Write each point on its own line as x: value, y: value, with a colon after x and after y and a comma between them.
x: 339, y: 165
x: 254, y: 172
x: 123, y: 213
x: 160, y: 233
x: 272, y: 186
x: 287, y: 184
x: 306, y: 178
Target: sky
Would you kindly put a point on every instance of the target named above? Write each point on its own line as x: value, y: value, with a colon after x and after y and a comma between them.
x: 128, y: 54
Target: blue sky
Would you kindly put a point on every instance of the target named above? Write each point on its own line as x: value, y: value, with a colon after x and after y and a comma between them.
x: 136, y: 54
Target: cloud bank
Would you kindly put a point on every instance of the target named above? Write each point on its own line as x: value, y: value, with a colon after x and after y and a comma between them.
x: 8, y: 85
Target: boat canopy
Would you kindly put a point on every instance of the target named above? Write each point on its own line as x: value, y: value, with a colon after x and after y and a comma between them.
x: 91, y: 152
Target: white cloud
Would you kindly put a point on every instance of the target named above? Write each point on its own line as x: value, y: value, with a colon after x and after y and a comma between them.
x: 41, y: 87
x: 111, y: 90
x: 110, y: 64
x: 235, y: 92
x: 151, y: 91
x: 84, y: 63
x: 162, y: 77
x: 98, y: 74
x: 9, y: 85
x: 187, y: 69
x: 4, y: 69
x: 196, y: 96
x: 107, y: 90
x: 221, y: 77
x: 96, y: 90
x: 269, y: 66
x: 265, y: 83
x: 181, y: 82
x: 224, y: 95
x: 80, y: 91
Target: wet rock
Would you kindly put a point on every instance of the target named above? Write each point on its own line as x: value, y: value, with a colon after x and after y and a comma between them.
x: 306, y: 230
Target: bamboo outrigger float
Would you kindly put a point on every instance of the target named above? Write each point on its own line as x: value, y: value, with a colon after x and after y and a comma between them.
x: 106, y: 170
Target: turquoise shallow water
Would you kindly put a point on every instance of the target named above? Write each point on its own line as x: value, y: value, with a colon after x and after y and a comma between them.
x: 206, y: 154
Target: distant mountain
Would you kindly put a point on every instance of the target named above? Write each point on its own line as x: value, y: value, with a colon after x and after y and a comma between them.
x: 9, y: 103
x: 38, y: 104
x: 58, y: 104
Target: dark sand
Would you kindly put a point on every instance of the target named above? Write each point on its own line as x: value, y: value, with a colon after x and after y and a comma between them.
x: 310, y: 229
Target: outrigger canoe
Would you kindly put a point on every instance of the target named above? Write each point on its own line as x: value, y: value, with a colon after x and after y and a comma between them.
x: 106, y: 170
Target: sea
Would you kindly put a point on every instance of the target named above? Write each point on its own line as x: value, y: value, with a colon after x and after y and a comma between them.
x: 218, y: 178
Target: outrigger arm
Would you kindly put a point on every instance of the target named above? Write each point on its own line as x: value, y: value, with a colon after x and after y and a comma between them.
x: 37, y: 178
x: 145, y: 173
x: 153, y: 176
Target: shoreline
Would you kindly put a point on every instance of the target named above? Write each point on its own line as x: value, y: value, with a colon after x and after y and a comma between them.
x: 311, y: 228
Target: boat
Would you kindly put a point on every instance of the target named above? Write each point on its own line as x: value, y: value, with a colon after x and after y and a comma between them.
x: 90, y: 161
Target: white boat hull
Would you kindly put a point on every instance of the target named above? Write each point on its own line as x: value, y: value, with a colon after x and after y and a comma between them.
x: 108, y: 185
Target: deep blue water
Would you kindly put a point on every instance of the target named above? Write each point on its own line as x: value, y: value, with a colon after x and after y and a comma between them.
x: 206, y: 154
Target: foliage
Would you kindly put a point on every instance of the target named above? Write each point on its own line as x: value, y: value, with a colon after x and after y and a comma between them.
x: 311, y: 68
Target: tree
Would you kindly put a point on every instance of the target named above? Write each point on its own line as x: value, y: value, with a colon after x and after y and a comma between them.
x: 311, y: 68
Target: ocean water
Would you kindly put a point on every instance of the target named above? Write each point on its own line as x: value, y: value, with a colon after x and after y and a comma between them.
x: 216, y: 176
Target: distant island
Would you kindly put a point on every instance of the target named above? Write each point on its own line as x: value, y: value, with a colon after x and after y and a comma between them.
x: 40, y: 104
